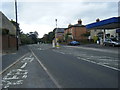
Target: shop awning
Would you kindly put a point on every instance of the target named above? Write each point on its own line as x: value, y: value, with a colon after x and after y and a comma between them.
x: 111, y: 23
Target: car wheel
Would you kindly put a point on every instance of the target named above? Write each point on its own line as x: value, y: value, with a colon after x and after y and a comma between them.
x: 113, y: 45
x: 104, y: 44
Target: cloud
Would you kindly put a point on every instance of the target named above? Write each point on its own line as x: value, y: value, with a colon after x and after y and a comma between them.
x: 41, y: 29
x: 8, y: 9
x: 40, y: 16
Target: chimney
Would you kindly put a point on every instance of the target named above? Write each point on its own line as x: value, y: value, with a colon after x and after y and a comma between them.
x: 69, y: 25
x: 97, y: 20
x: 79, y: 21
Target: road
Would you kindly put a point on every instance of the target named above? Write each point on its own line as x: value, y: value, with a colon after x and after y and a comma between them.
x: 64, y: 67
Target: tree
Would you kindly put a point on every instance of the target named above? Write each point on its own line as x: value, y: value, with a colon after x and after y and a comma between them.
x: 33, y: 36
x: 51, y: 36
x: 47, y: 38
x: 67, y: 37
x: 29, y: 38
x: 16, y: 24
x: 25, y: 39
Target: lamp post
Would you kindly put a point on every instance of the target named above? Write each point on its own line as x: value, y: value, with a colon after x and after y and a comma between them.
x: 16, y: 25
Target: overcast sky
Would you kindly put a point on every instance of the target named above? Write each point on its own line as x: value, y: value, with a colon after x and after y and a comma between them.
x: 40, y: 15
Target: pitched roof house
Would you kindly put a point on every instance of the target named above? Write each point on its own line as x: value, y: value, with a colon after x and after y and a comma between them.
x: 59, y: 33
x: 7, y: 34
x: 76, y: 31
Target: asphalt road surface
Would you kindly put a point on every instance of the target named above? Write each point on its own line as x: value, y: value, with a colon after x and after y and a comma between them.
x: 64, y: 67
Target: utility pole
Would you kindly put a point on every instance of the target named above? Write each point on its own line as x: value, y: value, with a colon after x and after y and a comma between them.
x: 16, y: 24
x: 56, y: 39
x: 56, y: 28
x: 56, y: 22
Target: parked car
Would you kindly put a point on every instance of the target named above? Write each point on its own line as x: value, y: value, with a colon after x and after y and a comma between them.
x: 74, y: 43
x: 111, y: 42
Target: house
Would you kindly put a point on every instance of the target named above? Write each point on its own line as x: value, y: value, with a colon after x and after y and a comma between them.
x: 108, y: 28
x: 59, y: 33
x: 7, y: 34
x: 75, y: 32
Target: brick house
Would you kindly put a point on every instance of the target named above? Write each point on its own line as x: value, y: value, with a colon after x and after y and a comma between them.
x: 75, y: 32
x: 7, y: 34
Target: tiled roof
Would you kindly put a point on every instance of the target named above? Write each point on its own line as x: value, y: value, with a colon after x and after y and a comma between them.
x: 6, y: 24
x: 60, y: 30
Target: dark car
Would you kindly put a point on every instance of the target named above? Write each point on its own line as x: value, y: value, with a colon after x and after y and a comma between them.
x: 74, y: 43
x: 111, y: 42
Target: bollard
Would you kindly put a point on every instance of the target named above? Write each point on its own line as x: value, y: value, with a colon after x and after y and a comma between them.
x: 57, y: 45
x: 53, y: 44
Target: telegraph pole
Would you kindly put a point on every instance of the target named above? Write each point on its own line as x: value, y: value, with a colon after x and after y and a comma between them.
x: 16, y: 24
x: 56, y: 22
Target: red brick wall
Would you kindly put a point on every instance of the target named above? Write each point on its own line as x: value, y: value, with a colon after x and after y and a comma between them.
x: 8, y: 42
x: 5, y: 42
x: 0, y: 42
x: 12, y: 42
x: 78, y: 32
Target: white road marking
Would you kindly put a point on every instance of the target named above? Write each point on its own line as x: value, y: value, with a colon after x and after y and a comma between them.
x: 58, y: 51
x: 13, y: 53
x: 10, y: 78
x: 95, y: 49
x: 12, y: 64
x: 24, y: 65
x: 103, y: 58
x: 28, y: 59
x: 102, y: 64
x: 24, y: 76
x: 52, y: 78
x: 14, y: 77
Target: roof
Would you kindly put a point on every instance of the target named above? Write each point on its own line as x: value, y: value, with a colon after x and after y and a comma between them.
x: 78, y: 25
x: 59, y: 30
x: 75, y: 25
x: 6, y: 24
x: 110, y: 23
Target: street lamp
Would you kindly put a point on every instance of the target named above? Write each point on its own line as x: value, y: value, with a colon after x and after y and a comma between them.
x: 56, y: 22
x: 16, y: 24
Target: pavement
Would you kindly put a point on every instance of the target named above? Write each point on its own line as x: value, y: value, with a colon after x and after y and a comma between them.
x: 13, y: 56
x: 41, y: 66
x: 100, y: 46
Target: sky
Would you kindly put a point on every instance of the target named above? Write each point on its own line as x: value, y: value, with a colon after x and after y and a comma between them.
x: 40, y: 15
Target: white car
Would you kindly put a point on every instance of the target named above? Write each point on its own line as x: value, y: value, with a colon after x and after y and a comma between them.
x: 111, y: 42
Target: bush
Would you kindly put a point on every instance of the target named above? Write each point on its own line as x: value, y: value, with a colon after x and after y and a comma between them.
x: 95, y: 38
